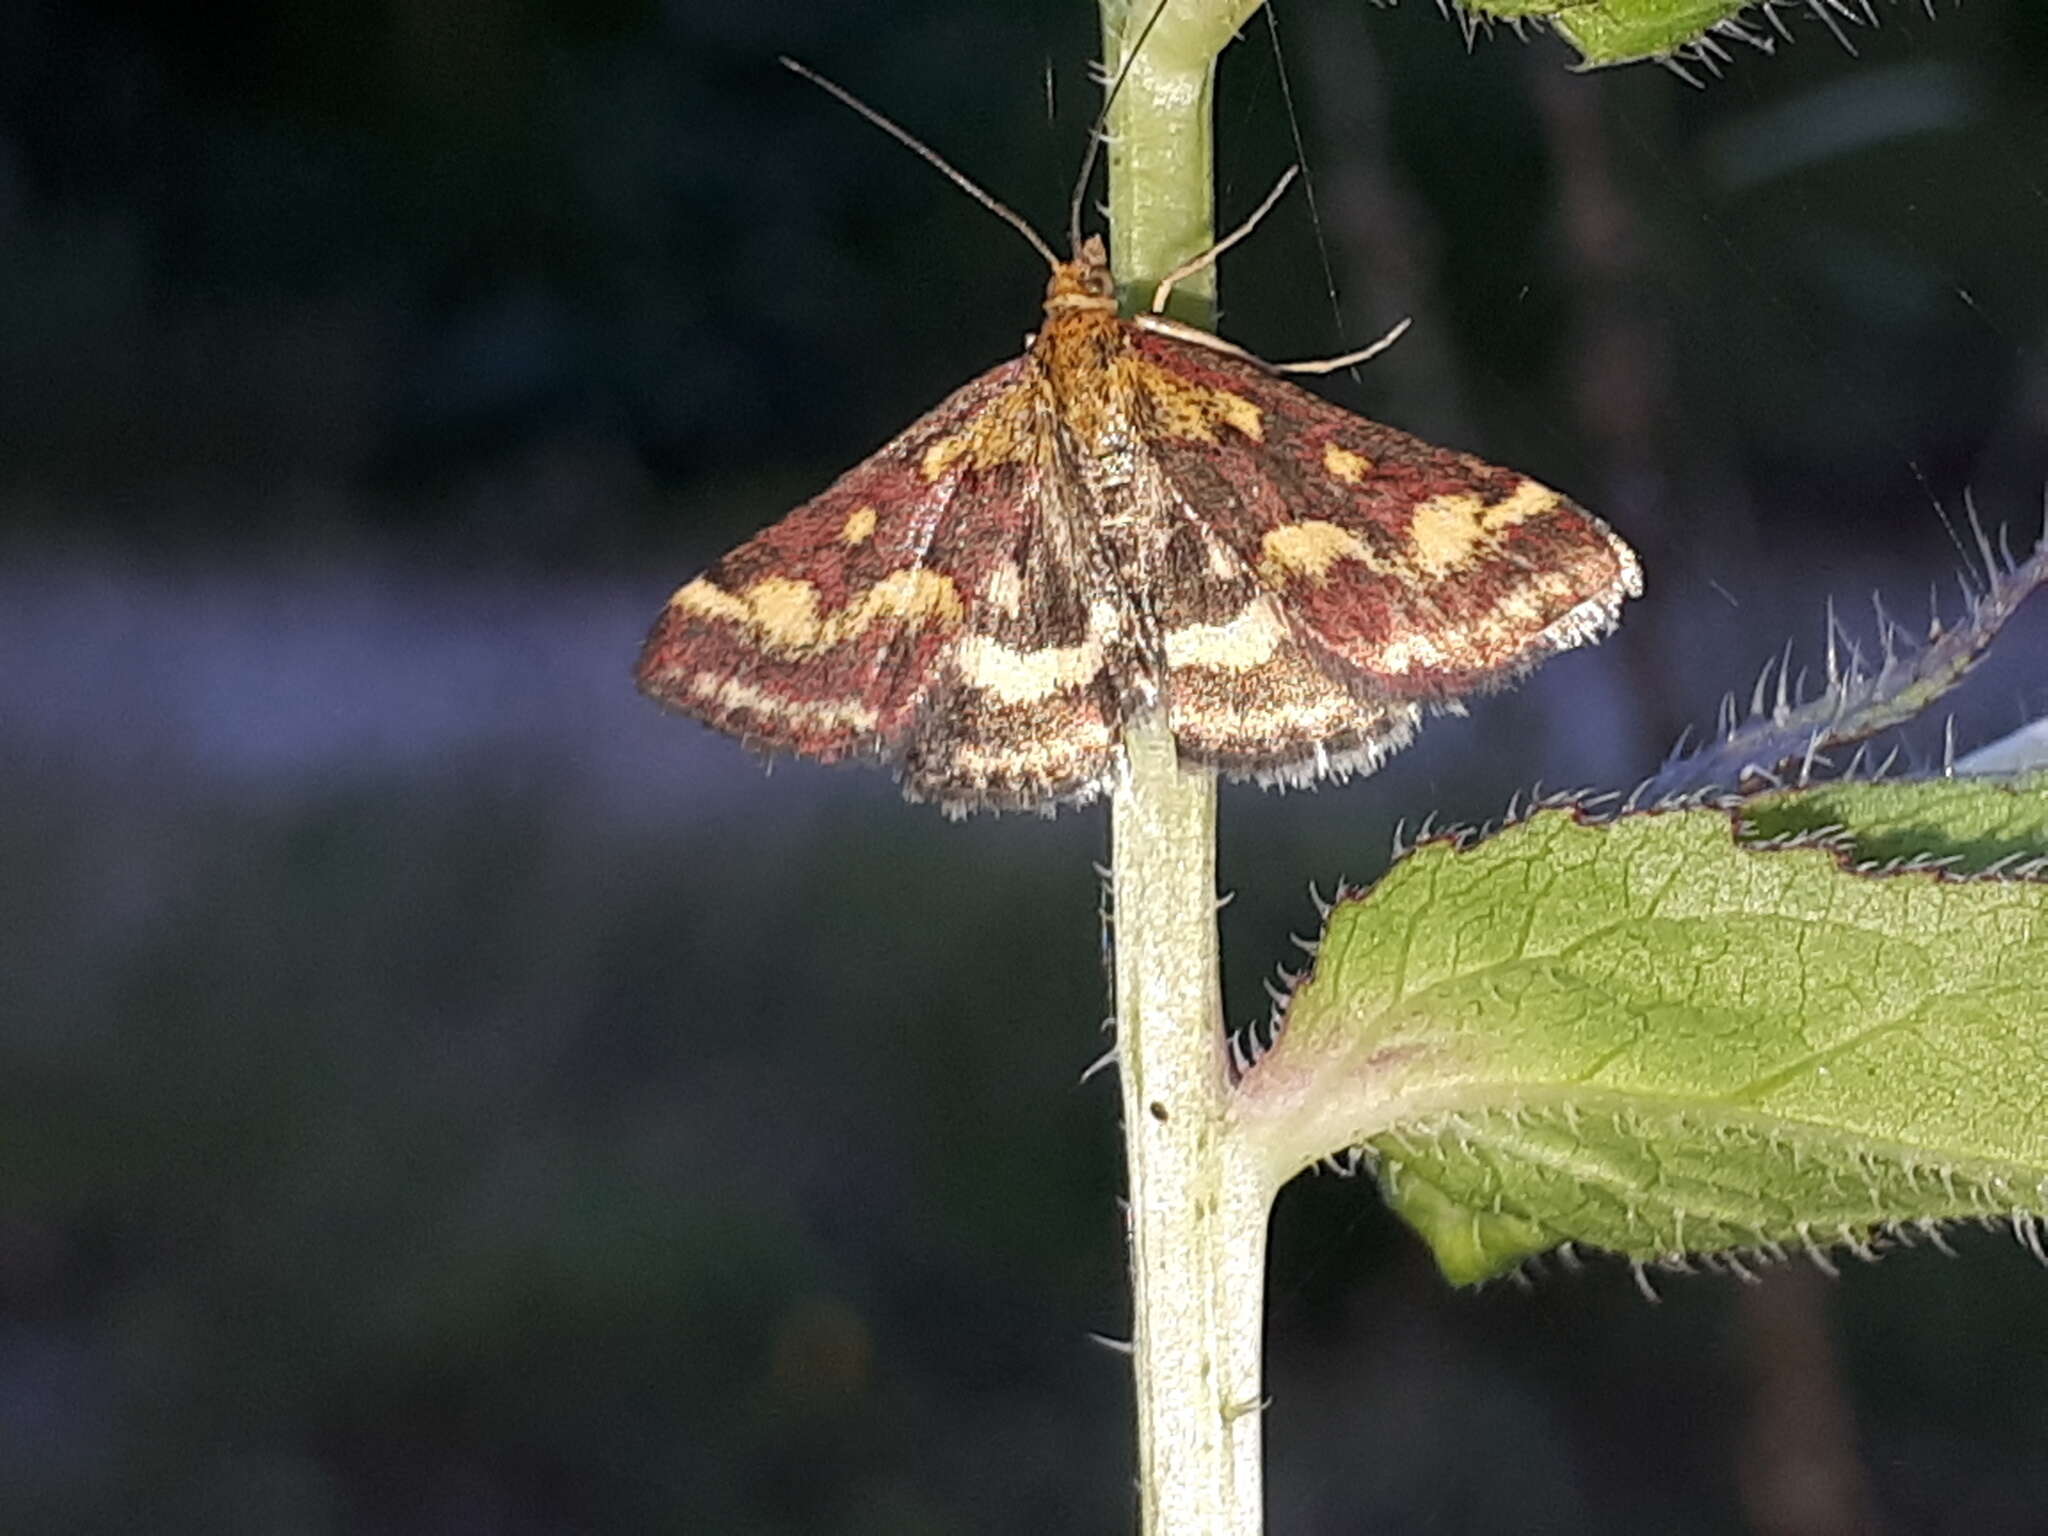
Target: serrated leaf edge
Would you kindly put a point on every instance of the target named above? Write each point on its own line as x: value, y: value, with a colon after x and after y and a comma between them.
x: 1247, y: 1045
x: 1982, y: 1183
x: 1758, y: 25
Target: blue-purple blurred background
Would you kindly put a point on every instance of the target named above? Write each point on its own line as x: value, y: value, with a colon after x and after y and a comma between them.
x: 440, y: 1095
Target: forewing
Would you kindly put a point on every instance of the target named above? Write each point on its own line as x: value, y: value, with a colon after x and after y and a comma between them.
x: 1421, y: 572
x: 910, y: 613
x: 1244, y: 690
x: 1027, y: 708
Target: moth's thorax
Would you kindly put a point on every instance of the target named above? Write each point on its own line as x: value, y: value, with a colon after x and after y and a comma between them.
x: 1085, y: 373
x: 1078, y: 354
x: 1094, y: 378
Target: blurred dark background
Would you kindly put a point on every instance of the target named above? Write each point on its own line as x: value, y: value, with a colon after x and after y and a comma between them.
x: 440, y: 1095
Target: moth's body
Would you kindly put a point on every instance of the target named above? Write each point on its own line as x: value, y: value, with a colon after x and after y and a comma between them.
x: 1124, y: 520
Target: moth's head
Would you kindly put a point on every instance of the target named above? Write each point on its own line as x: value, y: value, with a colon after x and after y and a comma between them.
x: 1084, y: 282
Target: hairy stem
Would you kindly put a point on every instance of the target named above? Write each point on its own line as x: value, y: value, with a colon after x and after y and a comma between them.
x: 1197, y: 1216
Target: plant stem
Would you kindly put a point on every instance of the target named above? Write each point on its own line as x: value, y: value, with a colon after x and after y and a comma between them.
x: 1197, y: 1204
x: 1197, y: 1213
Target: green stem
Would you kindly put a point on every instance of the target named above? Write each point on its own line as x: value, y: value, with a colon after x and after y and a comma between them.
x: 1197, y: 1202
x: 1197, y: 1215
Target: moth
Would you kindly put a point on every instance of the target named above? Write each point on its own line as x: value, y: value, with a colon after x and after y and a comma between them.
x: 1132, y: 518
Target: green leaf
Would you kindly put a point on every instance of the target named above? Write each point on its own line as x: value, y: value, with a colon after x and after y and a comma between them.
x: 1525, y: 10
x: 1978, y: 823
x: 1620, y: 31
x: 1648, y: 1037
x: 1626, y: 31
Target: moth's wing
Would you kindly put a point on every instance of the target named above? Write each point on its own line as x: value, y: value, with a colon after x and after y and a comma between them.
x: 1422, y: 573
x: 1244, y: 690
x: 855, y: 627
x: 1026, y: 709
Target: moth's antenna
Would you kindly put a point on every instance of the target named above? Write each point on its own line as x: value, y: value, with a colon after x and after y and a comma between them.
x: 927, y: 154
x: 1194, y: 264
x: 1102, y: 121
